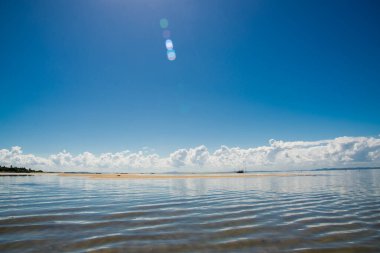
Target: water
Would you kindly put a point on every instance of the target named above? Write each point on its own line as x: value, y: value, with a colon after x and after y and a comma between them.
x: 336, y: 211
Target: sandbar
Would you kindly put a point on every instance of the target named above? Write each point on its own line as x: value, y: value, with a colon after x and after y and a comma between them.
x: 180, y: 176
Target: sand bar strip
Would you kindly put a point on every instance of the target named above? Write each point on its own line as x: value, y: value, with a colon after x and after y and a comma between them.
x: 181, y: 176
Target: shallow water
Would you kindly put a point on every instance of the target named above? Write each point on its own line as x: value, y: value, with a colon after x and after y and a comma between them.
x: 336, y: 211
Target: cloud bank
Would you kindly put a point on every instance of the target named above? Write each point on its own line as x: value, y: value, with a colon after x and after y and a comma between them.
x: 277, y: 155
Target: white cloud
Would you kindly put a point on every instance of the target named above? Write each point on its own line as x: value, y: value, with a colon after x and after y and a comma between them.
x: 178, y: 158
x: 192, y: 157
x: 338, y: 152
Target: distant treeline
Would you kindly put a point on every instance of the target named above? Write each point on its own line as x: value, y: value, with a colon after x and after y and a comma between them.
x: 17, y: 170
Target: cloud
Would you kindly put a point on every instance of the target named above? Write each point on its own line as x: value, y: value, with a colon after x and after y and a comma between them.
x: 178, y: 158
x: 338, y: 152
x: 192, y: 157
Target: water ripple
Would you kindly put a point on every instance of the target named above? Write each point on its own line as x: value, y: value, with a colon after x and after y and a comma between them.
x: 338, y: 212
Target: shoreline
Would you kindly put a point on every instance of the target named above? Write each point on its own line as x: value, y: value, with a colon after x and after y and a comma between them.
x: 173, y: 175
x: 180, y: 176
x: 133, y: 176
x: 14, y: 174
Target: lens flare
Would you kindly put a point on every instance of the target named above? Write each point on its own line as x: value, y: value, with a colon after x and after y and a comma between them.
x: 166, y: 34
x: 171, y: 55
x: 164, y: 23
x: 169, y: 44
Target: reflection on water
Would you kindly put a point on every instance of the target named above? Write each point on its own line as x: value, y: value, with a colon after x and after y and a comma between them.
x: 336, y: 211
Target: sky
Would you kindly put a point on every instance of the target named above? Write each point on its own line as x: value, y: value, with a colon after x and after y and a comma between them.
x: 93, y: 77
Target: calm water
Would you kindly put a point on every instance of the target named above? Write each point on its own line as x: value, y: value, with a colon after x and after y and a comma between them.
x: 335, y: 211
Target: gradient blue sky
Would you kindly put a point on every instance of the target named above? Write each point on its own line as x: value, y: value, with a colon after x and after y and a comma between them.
x: 93, y: 75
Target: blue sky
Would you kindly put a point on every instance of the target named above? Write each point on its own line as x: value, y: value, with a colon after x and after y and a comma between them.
x: 93, y: 75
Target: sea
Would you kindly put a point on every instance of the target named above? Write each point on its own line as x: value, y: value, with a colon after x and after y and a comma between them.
x: 319, y: 211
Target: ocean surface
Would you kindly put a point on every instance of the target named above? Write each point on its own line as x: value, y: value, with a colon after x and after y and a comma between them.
x: 329, y: 211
